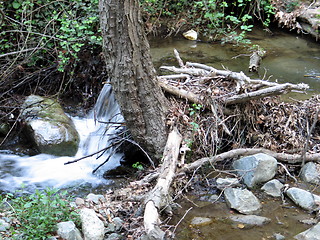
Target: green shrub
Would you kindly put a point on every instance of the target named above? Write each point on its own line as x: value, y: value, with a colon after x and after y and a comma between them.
x: 36, y: 215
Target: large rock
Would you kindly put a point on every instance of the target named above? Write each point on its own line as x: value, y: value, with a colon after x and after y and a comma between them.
x: 92, y: 226
x: 68, y: 231
x: 256, y: 169
x: 48, y: 127
x: 310, y: 173
x: 242, y: 200
x: 303, y: 198
x: 310, y: 234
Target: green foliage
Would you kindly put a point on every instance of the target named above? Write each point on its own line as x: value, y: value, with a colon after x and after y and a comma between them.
x: 138, y: 166
x: 56, y: 30
x: 226, y: 20
x: 36, y: 215
x: 194, y: 111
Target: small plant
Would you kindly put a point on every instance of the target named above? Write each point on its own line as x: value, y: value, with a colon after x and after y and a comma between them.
x: 36, y: 215
x: 138, y: 166
x: 195, y: 109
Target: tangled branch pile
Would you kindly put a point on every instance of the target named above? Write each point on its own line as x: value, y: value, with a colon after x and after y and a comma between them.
x: 229, y: 110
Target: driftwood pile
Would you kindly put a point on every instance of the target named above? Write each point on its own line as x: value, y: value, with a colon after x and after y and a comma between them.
x: 221, y: 115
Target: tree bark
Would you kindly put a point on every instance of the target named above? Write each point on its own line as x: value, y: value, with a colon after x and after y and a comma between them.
x: 132, y: 74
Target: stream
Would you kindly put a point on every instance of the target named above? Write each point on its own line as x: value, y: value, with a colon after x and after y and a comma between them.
x: 290, y: 58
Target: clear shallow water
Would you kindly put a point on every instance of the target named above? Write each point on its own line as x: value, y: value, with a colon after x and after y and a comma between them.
x: 289, y: 57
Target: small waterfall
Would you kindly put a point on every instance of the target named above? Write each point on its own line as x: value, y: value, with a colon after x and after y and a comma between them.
x: 96, y: 131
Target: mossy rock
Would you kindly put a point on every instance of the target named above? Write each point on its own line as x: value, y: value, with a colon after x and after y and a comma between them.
x: 48, y: 127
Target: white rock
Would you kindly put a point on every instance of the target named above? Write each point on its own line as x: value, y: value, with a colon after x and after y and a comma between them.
x: 92, y: 226
x: 68, y: 231
x: 190, y: 35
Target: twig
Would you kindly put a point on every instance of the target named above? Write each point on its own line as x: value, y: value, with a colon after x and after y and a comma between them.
x: 303, y: 155
x: 184, y: 215
x: 90, y: 155
x: 287, y: 171
x: 20, y: 51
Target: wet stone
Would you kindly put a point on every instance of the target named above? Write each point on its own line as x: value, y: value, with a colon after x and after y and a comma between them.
x: 250, y: 219
x: 310, y: 234
x: 303, y: 198
x: 200, y: 221
x: 242, y: 200
x: 273, y: 188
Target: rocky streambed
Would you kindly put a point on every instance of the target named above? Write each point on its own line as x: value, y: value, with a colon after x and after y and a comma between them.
x: 257, y: 199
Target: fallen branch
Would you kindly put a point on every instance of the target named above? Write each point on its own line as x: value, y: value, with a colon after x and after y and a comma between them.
x: 283, y: 157
x: 270, y: 91
x: 181, y: 92
x: 159, y: 198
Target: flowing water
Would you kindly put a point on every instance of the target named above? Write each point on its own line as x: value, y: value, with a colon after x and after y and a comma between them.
x: 45, y: 170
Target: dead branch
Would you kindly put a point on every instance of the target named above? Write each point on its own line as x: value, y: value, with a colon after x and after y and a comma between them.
x: 176, y: 54
x: 283, y: 157
x: 270, y: 91
x: 159, y: 198
x: 181, y: 92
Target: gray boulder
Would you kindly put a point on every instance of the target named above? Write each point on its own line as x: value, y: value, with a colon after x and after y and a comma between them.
x: 310, y: 234
x: 256, y: 169
x: 310, y: 173
x: 303, y: 198
x: 48, y: 127
x: 92, y: 226
x: 242, y: 200
x: 252, y: 220
x: 68, y: 231
x: 273, y: 188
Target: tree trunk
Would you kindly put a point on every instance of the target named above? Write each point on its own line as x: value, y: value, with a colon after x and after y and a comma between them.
x: 132, y: 74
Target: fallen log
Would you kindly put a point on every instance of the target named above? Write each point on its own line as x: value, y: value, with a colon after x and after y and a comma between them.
x: 159, y: 197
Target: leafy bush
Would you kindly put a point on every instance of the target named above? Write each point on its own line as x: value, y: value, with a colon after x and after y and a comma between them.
x: 36, y: 215
x: 44, y: 31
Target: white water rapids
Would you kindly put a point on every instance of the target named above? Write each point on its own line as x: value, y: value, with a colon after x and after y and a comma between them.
x: 46, y: 170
